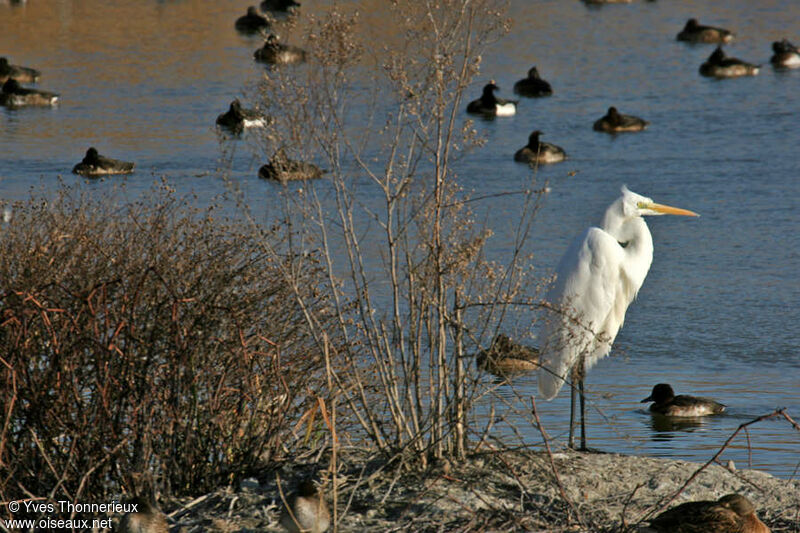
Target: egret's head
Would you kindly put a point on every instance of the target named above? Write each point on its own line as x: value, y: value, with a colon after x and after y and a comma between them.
x: 637, y: 205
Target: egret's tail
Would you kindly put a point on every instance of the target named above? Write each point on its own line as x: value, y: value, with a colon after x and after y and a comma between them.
x: 551, y: 379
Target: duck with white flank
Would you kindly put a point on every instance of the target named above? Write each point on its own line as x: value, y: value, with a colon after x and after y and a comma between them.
x: 277, y: 53
x: 488, y: 105
x: 94, y: 165
x: 733, y: 513
x: 252, y: 22
x: 786, y: 55
x: 237, y: 118
x: 666, y: 403
x: 718, y: 65
x: 694, y: 32
x: 16, y: 72
x: 537, y: 151
x: 616, y: 122
x: 15, y: 95
x: 533, y: 86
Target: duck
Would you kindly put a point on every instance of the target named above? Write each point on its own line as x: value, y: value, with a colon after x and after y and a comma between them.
x: 252, y: 22
x: 537, y: 151
x: 718, y: 65
x: 488, y: 105
x: 694, y: 32
x: 733, y: 513
x: 666, y: 403
x: 21, y: 74
x: 277, y: 53
x: 146, y: 519
x: 237, y: 119
x: 615, y: 122
x: 94, y: 164
x: 15, y: 95
x: 306, y: 511
x: 786, y: 55
x: 505, y: 357
x: 533, y: 85
x: 281, y: 168
x: 278, y: 5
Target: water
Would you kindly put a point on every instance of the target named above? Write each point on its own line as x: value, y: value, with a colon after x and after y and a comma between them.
x: 718, y: 314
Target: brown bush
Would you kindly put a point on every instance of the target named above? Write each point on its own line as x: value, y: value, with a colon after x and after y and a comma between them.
x: 145, y: 345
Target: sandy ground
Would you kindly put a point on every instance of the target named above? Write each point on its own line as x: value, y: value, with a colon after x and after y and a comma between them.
x: 503, y: 491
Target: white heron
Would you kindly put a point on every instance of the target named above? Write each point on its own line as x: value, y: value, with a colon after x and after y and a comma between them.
x: 597, y: 278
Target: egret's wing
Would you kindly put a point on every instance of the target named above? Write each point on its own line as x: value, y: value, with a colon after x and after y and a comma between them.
x: 583, y: 297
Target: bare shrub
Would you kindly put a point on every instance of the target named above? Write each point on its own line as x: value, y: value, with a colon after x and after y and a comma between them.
x: 145, y: 346
x: 399, y: 235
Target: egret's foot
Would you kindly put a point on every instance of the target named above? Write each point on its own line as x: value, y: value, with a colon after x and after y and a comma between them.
x: 586, y: 449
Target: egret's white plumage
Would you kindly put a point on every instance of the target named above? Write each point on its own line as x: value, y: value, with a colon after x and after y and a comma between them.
x: 596, y: 280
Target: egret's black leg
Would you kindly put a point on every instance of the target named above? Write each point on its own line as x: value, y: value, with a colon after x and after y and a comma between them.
x: 583, y: 417
x: 571, y: 441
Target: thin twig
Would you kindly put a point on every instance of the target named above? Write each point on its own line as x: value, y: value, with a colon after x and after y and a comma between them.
x: 561, y: 489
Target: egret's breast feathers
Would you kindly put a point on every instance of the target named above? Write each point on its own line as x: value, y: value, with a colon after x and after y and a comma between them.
x: 587, y: 297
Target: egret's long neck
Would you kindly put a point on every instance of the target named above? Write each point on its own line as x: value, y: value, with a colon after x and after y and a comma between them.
x: 634, y: 236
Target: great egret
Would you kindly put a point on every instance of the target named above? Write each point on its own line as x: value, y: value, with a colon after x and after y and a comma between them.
x: 597, y: 278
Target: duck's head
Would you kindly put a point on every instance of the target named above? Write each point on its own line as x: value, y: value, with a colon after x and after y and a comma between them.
x: 91, y: 154
x: 738, y: 504
x: 11, y: 85
x: 490, y: 88
x: 692, y: 24
x: 613, y: 113
x: 3, y: 62
x: 236, y: 106
x: 533, y: 73
x: 533, y: 139
x: 661, y: 393
x: 306, y: 489
x: 252, y: 12
x: 717, y: 55
x: 502, y: 343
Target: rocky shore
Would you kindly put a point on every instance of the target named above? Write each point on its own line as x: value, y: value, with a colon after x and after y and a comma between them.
x: 520, y: 490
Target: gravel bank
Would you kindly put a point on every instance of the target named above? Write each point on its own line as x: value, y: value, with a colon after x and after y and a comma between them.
x: 502, y: 491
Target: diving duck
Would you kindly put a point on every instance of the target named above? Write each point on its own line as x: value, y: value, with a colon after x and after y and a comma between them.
x: 615, y: 122
x: 281, y: 168
x: 94, y: 165
x: 14, y: 95
x: 666, y: 403
x: 237, y: 118
x: 533, y: 86
x: 537, y: 151
x: 694, y: 32
x: 277, y: 53
x: 488, y: 105
x: 252, y: 22
x: 718, y: 65
x: 16, y: 72
x: 786, y: 55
